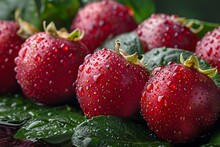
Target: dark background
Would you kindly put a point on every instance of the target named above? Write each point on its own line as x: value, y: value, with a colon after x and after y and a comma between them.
x: 206, y: 10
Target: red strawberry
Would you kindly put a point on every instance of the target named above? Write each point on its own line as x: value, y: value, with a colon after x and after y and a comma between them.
x: 107, y: 84
x: 47, y: 66
x: 163, y: 30
x: 208, y: 48
x: 102, y: 20
x: 10, y: 44
x: 180, y: 103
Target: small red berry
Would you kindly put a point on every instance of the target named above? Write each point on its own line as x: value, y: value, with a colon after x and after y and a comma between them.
x: 163, y: 30
x: 47, y: 67
x: 209, y: 48
x: 180, y: 103
x: 108, y: 84
x: 10, y: 44
x: 101, y: 20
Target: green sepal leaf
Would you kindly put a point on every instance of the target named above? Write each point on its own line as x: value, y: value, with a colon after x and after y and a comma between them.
x: 113, y: 131
x: 162, y: 56
x: 206, y: 26
x: 130, y: 43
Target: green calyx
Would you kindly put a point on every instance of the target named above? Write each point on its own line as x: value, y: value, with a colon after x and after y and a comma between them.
x: 25, y: 28
x: 192, y: 62
x: 189, y: 24
x: 76, y: 35
x: 131, y: 58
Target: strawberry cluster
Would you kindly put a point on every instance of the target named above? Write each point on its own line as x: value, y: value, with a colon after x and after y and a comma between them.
x: 179, y: 102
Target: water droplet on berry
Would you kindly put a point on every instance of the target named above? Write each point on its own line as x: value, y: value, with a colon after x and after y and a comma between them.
x: 96, y: 64
x: 81, y: 67
x: 216, y: 54
x: 177, y: 75
x: 160, y: 98
x: 37, y: 58
x: 39, y: 40
x: 10, y: 51
x: 22, y: 52
x: 6, y: 59
x: 100, y: 69
x: 95, y: 77
x: 87, y: 57
x: 172, y: 86
x: 212, y: 41
x: 81, y: 92
x: 88, y: 70
x: 209, y: 51
x: 150, y: 88
x: 65, y: 47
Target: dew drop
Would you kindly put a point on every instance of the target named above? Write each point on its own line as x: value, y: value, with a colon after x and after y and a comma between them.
x: 95, y: 77
x: 177, y: 75
x: 37, y: 58
x: 88, y: 70
x: 87, y: 57
x: 209, y: 51
x: 10, y: 51
x: 172, y: 86
x: 81, y: 93
x: 6, y: 59
x: 81, y: 67
x: 160, y: 98
x: 150, y: 88
x: 101, y: 69
x: 65, y: 47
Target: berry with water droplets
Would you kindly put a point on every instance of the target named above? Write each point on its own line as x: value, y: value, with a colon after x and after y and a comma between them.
x: 10, y: 44
x: 209, y: 48
x: 108, y: 84
x: 180, y: 103
x: 47, y: 66
x: 162, y: 30
x: 102, y: 20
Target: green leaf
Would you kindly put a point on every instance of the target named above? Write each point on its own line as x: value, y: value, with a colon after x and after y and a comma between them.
x: 17, y: 109
x: 29, y: 10
x: 36, y: 11
x: 162, y: 56
x: 206, y: 26
x: 112, y: 131
x: 130, y: 43
x: 215, y: 137
x: 52, y: 124
x: 141, y: 9
x: 61, y: 12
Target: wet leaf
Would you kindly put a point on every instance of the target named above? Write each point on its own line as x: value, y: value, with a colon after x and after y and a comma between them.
x: 52, y: 124
x: 61, y: 12
x: 36, y: 11
x: 206, y: 26
x: 162, y: 56
x: 29, y: 10
x: 112, y: 131
x: 57, y: 121
x: 130, y: 43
